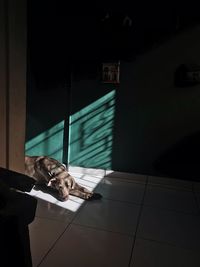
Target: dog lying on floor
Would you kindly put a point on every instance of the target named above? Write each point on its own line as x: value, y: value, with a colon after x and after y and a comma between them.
x: 51, y: 173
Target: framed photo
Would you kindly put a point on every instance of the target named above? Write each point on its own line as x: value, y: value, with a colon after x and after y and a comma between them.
x: 111, y: 72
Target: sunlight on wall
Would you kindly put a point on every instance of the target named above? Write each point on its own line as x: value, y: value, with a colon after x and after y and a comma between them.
x: 90, y: 146
x: 91, y: 134
x: 49, y: 143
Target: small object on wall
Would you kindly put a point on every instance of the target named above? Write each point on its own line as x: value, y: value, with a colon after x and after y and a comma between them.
x: 111, y: 72
x: 187, y: 75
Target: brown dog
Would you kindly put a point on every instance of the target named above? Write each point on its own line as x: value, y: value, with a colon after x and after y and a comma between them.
x: 50, y: 172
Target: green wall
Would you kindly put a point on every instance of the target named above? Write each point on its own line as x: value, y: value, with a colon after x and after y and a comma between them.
x: 47, y: 118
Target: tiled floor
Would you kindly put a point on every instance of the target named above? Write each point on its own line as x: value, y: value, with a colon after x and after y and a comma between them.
x: 141, y: 221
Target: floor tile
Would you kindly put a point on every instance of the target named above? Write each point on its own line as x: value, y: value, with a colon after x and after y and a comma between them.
x: 91, y: 179
x: 154, y: 254
x: 53, y: 211
x: 88, y: 181
x: 43, y: 234
x: 116, y: 189
x: 109, y: 215
x: 81, y: 246
x: 90, y: 171
x: 170, y: 198
x: 176, y: 228
x: 170, y: 182
x: 100, y: 233
x: 72, y: 204
x: 139, y: 178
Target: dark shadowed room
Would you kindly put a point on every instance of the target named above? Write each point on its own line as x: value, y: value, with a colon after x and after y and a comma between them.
x: 99, y: 134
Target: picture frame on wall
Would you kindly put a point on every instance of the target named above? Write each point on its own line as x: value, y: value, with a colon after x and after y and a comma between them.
x: 111, y: 72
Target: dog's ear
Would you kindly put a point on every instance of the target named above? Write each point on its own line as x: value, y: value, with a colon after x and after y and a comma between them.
x: 51, y: 181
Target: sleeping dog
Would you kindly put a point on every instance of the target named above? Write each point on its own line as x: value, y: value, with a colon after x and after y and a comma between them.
x: 50, y: 172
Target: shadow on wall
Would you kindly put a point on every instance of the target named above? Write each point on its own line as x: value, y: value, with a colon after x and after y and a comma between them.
x: 90, y: 136
x: 182, y: 159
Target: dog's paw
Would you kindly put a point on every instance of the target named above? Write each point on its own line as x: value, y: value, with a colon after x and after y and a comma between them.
x: 95, y: 196
x: 37, y: 187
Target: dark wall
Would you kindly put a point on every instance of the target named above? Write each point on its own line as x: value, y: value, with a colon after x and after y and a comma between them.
x: 48, y: 82
x: 151, y: 114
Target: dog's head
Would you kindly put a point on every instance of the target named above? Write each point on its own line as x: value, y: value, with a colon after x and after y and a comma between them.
x: 62, y: 186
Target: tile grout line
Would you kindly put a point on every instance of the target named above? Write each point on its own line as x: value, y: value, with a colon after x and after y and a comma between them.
x: 138, y: 222
x: 103, y: 230
x: 168, y: 186
x: 50, y: 249
x: 79, y: 210
x: 54, y: 244
x: 122, y: 201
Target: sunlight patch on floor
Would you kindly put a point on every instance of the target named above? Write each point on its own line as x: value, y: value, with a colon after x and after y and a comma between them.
x: 73, y: 203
